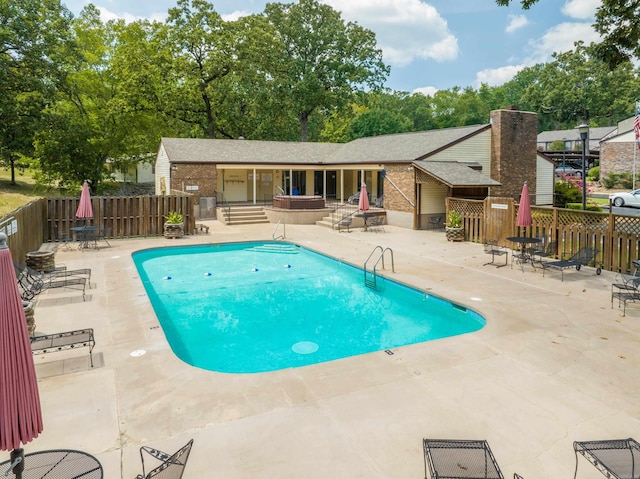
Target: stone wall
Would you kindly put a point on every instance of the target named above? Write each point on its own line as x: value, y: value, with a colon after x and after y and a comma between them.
x: 399, y: 177
x: 513, y: 151
x: 204, y: 176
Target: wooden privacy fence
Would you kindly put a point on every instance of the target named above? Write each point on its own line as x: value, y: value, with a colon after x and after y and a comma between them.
x: 124, y: 216
x: 25, y: 228
x: 617, y: 237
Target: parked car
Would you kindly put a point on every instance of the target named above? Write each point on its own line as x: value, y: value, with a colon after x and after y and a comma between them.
x: 568, y: 171
x: 625, y: 198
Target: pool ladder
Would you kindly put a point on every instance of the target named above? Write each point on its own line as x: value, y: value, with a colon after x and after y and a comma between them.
x: 370, y: 277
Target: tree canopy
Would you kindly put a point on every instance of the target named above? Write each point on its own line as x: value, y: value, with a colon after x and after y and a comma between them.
x: 83, y: 96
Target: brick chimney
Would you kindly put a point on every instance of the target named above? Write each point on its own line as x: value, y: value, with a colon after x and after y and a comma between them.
x: 513, y: 150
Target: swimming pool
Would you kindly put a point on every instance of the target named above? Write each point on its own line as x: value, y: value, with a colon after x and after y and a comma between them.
x: 264, y: 306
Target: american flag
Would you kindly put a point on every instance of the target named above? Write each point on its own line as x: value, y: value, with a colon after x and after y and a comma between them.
x: 636, y: 124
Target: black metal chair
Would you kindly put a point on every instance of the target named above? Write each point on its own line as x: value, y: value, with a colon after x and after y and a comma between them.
x: 459, y: 459
x: 170, y: 467
x: 65, y: 240
x: 345, y: 223
x: 375, y: 224
x: 435, y: 223
x: 104, y: 233
x: 494, y: 249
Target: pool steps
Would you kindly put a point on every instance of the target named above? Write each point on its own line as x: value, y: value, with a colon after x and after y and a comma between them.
x: 276, y: 248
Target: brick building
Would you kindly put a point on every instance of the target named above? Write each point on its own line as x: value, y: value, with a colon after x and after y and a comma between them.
x: 619, y: 152
x: 414, y: 171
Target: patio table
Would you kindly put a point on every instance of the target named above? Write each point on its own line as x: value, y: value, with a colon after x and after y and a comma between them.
x: 58, y: 464
x: 524, y: 256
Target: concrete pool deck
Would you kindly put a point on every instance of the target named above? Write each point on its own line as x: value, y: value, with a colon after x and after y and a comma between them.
x: 554, y: 364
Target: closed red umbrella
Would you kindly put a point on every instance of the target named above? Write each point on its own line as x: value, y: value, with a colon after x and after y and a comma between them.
x: 363, y: 202
x: 20, y: 413
x: 524, y: 211
x: 85, y: 210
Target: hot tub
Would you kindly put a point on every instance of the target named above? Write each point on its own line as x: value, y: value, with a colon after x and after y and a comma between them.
x: 298, y: 202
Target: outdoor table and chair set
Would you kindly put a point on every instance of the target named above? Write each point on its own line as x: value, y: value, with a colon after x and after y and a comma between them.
x: 537, y: 251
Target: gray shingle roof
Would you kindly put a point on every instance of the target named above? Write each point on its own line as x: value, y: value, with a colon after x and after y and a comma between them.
x: 455, y: 174
x: 595, y: 134
x: 398, y: 148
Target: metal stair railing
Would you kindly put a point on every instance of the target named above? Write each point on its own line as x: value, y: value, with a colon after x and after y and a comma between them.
x: 370, y: 277
x: 225, y: 207
x: 284, y: 231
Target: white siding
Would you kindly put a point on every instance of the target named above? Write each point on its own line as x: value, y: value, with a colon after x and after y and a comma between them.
x: 545, y: 171
x: 627, y: 137
x: 476, y: 149
x: 162, y: 171
x: 432, y: 198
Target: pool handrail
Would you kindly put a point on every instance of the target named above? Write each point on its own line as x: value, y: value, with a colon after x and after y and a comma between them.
x: 372, y: 283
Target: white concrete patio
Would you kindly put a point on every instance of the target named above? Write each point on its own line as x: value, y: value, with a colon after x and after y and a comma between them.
x: 553, y: 365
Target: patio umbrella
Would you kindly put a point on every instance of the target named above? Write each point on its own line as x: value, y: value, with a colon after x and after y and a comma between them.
x: 524, y: 211
x: 85, y: 210
x: 20, y: 414
x: 363, y: 202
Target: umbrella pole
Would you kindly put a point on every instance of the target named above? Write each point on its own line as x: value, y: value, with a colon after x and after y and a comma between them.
x: 17, y: 462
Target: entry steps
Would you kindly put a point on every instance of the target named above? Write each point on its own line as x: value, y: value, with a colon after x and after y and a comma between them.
x: 242, y: 215
x: 276, y: 248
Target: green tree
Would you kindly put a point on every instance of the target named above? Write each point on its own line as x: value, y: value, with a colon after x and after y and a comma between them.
x: 577, y: 86
x: 323, y: 59
x: 91, y: 122
x: 34, y: 46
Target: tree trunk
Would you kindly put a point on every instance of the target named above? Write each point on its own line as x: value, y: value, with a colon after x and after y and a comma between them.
x: 304, y: 125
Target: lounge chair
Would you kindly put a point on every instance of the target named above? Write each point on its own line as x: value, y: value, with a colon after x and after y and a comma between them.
x: 577, y: 261
x: 31, y: 282
x: 614, y: 458
x: 626, y: 289
x: 170, y: 467
x: 491, y: 247
x: 459, y: 459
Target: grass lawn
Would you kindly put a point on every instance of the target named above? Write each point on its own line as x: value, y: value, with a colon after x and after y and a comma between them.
x: 14, y: 196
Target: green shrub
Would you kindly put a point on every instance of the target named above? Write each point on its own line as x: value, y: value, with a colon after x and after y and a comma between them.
x: 594, y: 173
x: 174, y: 218
x: 578, y: 206
x: 454, y: 220
x: 567, y: 193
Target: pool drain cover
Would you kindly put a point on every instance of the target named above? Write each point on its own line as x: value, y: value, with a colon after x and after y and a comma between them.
x: 305, y: 347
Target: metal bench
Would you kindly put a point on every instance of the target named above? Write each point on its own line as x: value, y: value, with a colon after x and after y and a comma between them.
x: 51, y: 343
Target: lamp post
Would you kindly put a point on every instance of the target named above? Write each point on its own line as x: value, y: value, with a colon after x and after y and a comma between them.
x: 583, y: 128
x: 564, y: 151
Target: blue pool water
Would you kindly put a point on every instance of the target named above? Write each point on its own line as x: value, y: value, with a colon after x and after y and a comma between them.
x: 255, y: 307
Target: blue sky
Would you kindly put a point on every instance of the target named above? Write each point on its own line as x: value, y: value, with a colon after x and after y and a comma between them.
x: 430, y: 44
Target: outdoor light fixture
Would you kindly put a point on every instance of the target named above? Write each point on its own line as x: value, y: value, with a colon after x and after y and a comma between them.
x: 583, y: 128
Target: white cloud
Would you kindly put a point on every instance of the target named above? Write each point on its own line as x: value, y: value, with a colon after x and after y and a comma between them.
x: 516, y: 22
x: 581, y: 9
x: 233, y: 16
x: 497, y: 76
x: 406, y: 30
x: 426, y: 90
x: 106, y: 15
x: 561, y: 38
